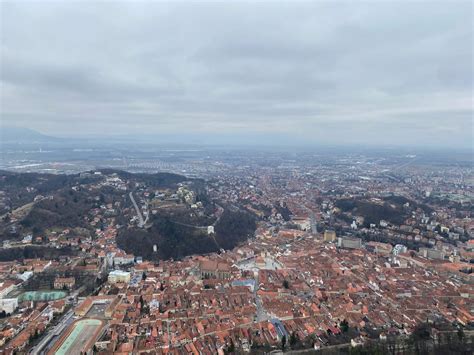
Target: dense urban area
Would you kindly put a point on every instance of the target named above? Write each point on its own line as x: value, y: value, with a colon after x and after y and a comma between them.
x: 232, y: 251
x: 236, y: 177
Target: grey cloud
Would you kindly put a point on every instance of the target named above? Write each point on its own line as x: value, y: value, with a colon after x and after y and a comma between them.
x: 299, y: 68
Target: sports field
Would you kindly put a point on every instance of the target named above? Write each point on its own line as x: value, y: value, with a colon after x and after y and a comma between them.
x: 41, y: 296
x: 81, y: 337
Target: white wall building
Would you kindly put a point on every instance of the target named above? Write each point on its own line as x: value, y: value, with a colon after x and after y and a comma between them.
x: 119, y: 276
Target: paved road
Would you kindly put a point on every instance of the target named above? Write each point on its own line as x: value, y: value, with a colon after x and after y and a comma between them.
x: 219, y: 215
x: 43, y: 345
x: 141, y: 221
x: 312, y: 216
x: 261, y: 313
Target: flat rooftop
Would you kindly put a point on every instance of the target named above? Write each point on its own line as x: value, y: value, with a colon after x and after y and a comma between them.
x: 80, y: 337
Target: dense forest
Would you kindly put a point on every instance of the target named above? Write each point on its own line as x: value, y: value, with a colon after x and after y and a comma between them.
x: 392, y: 209
x: 32, y: 252
x: 234, y: 227
x: 156, y: 180
x: 284, y: 211
x: 174, y: 240
x: 16, y: 184
x: 176, y: 233
x: 68, y: 208
x: 373, y: 212
x: 400, y: 200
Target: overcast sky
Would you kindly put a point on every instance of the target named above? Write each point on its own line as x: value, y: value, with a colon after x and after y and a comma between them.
x: 358, y: 72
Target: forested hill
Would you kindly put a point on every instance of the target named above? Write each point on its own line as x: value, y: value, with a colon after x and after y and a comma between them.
x: 175, y: 241
x: 157, y: 180
x: 36, y: 202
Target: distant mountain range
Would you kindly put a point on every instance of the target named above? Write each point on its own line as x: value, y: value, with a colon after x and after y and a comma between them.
x: 21, y: 135
x: 24, y: 136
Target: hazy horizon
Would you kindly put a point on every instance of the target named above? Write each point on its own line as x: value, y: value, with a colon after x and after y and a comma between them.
x: 370, y: 73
